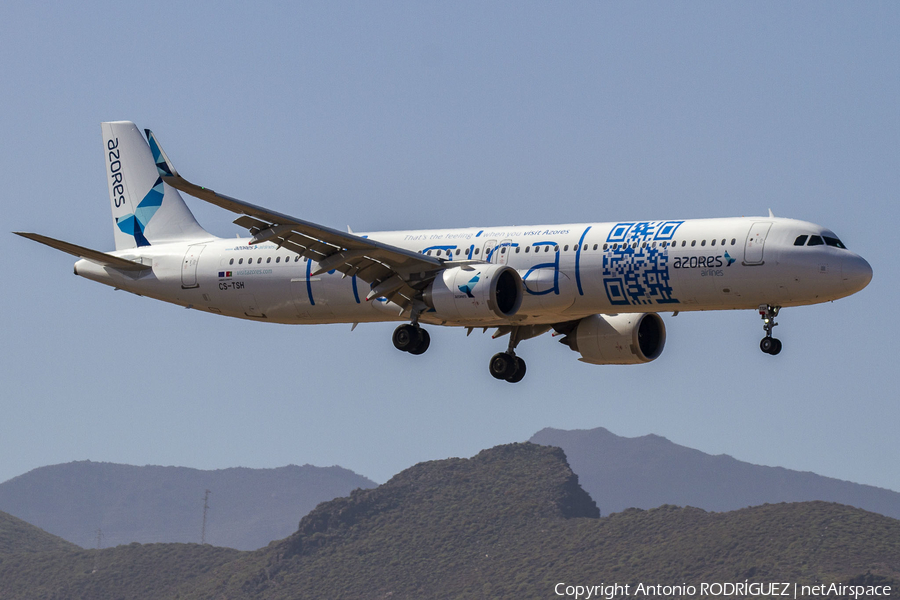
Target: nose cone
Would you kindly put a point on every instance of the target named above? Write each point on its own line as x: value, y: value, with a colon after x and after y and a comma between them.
x: 856, y: 273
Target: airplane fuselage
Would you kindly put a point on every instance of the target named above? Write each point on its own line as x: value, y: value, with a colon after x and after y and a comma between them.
x: 568, y: 271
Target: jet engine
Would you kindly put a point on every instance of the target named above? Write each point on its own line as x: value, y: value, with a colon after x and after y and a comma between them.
x: 482, y: 292
x: 623, y: 339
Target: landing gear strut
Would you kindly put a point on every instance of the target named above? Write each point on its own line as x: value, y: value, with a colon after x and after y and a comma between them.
x: 411, y: 338
x: 768, y: 344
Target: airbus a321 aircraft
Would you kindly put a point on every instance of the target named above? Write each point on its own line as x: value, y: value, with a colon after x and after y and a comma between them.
x: 599, y: 285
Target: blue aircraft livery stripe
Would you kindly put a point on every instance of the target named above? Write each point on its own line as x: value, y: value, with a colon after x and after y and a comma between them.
x: 309, y: 283
x: 578, y: 262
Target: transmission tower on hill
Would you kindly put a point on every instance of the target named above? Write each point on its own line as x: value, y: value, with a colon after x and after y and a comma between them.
x: 205, y: 509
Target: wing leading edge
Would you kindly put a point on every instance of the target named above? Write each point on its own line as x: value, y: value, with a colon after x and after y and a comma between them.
x: 394, y: 273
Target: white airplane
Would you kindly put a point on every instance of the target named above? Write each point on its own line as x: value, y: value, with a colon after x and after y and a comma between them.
x: 600, y: 285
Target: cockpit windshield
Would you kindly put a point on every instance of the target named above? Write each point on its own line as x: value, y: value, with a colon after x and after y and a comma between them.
x: 819, y: 240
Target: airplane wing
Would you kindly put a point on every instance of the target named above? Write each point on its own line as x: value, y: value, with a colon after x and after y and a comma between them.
x: 394, y: 273
x: 101, y: 258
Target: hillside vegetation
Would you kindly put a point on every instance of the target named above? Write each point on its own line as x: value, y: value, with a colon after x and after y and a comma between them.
x: 511, y: 522
x: 18, y: 536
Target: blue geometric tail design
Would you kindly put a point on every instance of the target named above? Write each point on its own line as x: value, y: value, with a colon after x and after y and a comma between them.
x: 161, y: 166
x: 135, y: 224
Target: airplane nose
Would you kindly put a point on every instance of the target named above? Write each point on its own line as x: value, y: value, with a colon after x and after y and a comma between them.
x: 856, y: 273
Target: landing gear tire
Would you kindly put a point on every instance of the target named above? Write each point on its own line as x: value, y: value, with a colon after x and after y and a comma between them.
x: 404, y: 338
x: 520, y: 371
x: 408, y: 338
x: 422, y: 345
x: 770, y: 345
x: 507, y: 367
x: 503, y: 365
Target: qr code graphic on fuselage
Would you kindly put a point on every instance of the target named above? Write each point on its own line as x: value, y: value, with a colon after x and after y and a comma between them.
x: 636, y: 263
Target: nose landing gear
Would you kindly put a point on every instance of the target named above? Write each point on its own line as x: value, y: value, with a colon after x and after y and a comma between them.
x: 768, y: 344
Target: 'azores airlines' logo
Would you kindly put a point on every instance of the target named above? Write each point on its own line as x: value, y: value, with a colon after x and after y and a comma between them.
x: 469, y: 287
x: 135, y: 224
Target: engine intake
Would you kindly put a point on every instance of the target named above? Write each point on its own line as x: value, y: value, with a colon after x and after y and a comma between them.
x: 623, y: 339
x: 483, y: 293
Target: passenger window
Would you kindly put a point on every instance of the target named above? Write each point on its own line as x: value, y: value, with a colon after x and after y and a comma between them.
x: 429, y: 253
x: 683, y: 243
x: 259, y: 260
x: 703, y: 243
x: 644, y: 245
x: 231, y: 262
x: 834, y: 242
x: 241, y: 261
x: 527, y: 248
x: 503, y: 250
x: 634, y: 245
x: 476, y: 251
x: 278, y: 259
x: 713, y: 243
x: 546, y: 248
x: 653, y: 245
x: 566, y: 248
x: 815, y: 240
x: 297, y: 258
x: 268, y: 260
x: 457, y: 251
x: 615, y: 246
x: 555, y: 248
x: 693, y: 243
x: 801, y: 240
x: 723, y: 242
x: 733, y: 241
x: 605, y: 246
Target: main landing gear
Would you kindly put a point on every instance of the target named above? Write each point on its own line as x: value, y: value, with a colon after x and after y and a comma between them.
x: 768, y: 344
x: 506, y: 365
x: 412, y: 339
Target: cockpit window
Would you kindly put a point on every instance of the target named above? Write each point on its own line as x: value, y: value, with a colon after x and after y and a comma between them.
x: 815, y: 240
x: 831, y: 241
x: 801, y: 240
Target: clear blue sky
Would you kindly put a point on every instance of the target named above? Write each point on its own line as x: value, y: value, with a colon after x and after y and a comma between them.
x: 420, y: 115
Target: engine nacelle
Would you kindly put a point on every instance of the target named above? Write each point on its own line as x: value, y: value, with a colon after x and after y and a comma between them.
x: 479, y: 293
x: 623, y: 339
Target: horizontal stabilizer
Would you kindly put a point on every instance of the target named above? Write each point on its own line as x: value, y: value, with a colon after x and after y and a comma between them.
x: 101, y: 258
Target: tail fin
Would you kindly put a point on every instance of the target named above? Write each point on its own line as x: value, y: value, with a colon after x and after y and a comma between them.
x: 145, y: 209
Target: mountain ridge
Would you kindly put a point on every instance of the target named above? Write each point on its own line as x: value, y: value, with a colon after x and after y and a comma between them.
x: 150, y: 504
x: 510, y: 522
x: 650, y: 470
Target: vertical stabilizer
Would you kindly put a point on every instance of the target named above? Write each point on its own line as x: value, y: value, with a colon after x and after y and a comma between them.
x: 145, y: 209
